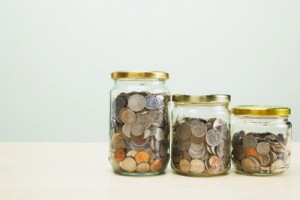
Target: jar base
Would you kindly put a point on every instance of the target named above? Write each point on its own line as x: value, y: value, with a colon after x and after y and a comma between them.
x: 190, y: 174
x: 260, y: 174
x: 123, y: 173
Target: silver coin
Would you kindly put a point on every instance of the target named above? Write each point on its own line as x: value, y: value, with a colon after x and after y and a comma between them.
x: 198, y: 128
x: 249, y: 141
x: 136, y: 102
x: 219, y: 122
x: 213, y: 137
x: 160, y: 102
x: 120, y: 102
x: 151, y: 102
x: 126, y: 130
x: 137, y: 129
x: 263, y: 148
x: 159, y: 134
x: 144, y: 119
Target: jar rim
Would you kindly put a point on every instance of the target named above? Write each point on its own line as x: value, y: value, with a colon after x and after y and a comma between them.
x: 160, y: 75
x: 201, y: 99
x: 261, y: 110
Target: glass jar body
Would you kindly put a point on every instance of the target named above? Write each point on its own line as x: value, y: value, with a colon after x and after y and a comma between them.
x: 139, y: 127
x: 201, y: 139
x: 261, y: 145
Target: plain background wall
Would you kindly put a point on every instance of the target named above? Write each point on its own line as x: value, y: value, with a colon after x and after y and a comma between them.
x: 56, y: 58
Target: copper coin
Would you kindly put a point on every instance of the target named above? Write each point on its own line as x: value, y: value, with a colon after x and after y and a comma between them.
x: 142, y: 156
x: 214, y: 162
x: 120, y: 154
x: 156, y: 165
x: 252, y: 152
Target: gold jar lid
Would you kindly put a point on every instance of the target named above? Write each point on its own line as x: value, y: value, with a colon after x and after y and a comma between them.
x: 140, y: 75
x: 205, y: 99
x: 261, y: 110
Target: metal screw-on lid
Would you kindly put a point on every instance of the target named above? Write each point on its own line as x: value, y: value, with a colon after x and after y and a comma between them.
x: 261, y: 110
x: 140, y: 75
x: 209, y: 99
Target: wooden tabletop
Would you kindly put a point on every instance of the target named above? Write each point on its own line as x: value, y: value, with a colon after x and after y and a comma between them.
x: 55, y: 171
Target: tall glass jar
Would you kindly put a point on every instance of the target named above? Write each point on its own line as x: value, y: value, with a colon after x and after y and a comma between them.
x: 261, y: 139
x: 139, y: 130
x: 201, y: 135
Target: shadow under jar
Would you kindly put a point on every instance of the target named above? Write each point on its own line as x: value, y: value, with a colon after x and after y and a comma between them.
x: 201, y: 135
x: 261, y: 139
x: 139, y: 130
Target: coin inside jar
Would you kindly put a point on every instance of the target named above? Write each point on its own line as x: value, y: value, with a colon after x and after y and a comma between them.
x: 204, y: 155
x: 140, y: 132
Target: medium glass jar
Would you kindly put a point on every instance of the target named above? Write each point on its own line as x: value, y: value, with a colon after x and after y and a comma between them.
x: 201, y: 135
x: 261, y: 139
x: 139, y: 130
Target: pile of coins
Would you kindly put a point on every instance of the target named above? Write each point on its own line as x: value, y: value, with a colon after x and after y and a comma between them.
x: 139, y: 141
x: 264, y: 153
x: 200, y: 147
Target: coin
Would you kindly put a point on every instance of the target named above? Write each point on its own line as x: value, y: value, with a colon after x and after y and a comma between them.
x: 277, y: 166
x: 176, y: 155
x: 120, y: 102
x: 128, y: 164
x: 156, y: 165
x: 264, y: 160
x: 185, y: 165
x: 137, y: 129
x: 120, y: 154
x: 131, y: 153
x: 114, y: 163
x: 159, y: 134
x: 143, y: 167
x: 214, y: 162
x: 249, y: 141
x: 126, y: 130
x: 251, y: 152
x: 198, y: 129
x: 197, y: 166
x: 146, y: 133
x: 263, y: 148
x: 127, y: 116
x: 219, y: 122
x: 119, y: 144
x: 136, y: 102
x: 239, y: 152
x: 197, y: 140
x: 151, y: 102
x: 138, y: 140
x: 142, y: 156
x: 183, y: 131
x: 145, y: 120
x: 213, y: 137
x: 250, y: 165
x: 183, y: 145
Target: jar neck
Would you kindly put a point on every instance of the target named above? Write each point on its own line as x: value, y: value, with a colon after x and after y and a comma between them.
x: 261, y: 119
x: 154, y: 82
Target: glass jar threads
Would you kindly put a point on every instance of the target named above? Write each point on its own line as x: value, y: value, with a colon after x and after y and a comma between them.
x: 139, y: 131
x: 201, y: 135
x: 261, y: 139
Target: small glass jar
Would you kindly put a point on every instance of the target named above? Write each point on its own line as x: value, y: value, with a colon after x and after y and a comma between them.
x: 201, y: 135
x: 139, y: 130
x: 261, y: 139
